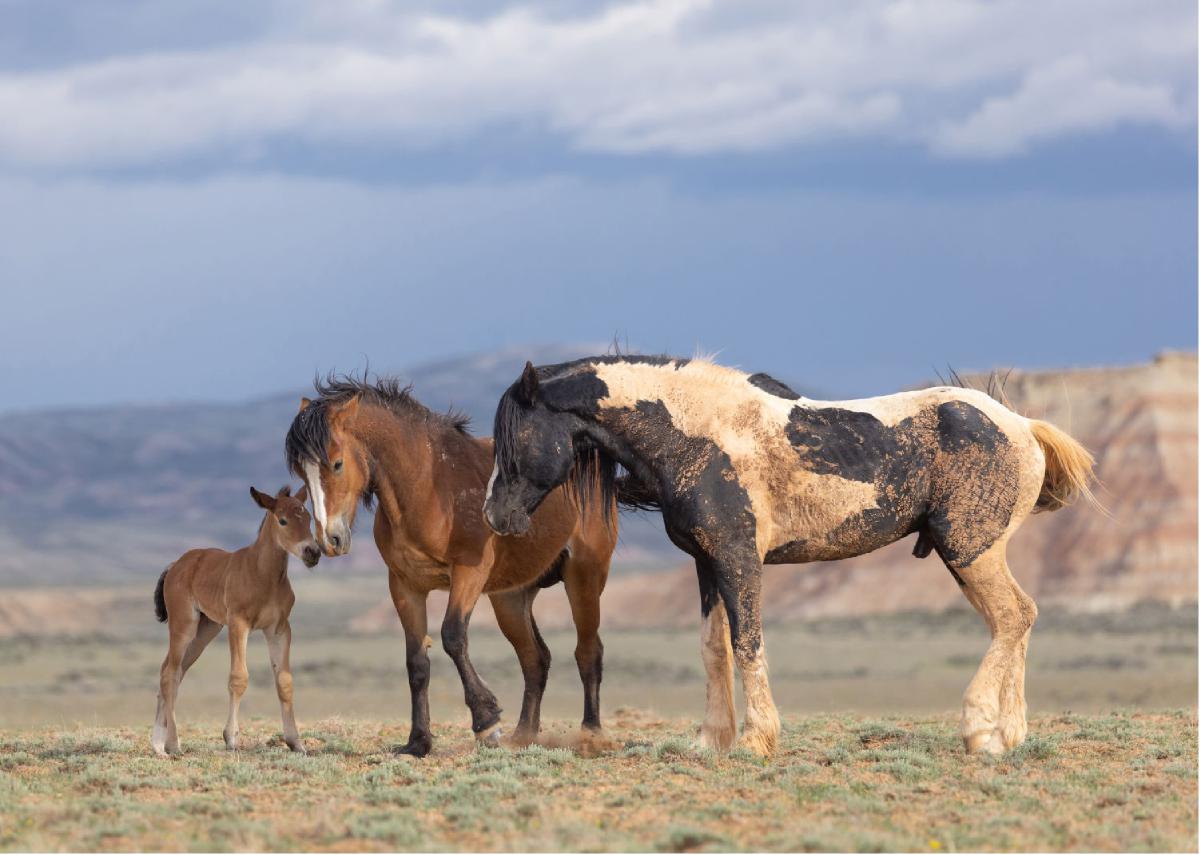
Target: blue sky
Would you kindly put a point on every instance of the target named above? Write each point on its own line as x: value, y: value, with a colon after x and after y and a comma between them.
x: 213, y: 200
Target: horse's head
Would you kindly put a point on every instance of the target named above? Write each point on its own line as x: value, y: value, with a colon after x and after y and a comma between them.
x: 289, y: 522
x: 323, y: 450
x: 535, y: 453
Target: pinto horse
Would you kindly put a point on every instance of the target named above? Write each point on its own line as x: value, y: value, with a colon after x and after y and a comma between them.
x: 244, y: 590
x: 747, y: 472
x: 360, y: 441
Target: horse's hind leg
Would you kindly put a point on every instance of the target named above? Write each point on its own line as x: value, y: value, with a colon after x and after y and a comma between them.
x: 584, y: 580
x: 466, y: 584
x: 182, y: 627
x: 279, y: 646
x: 514, y: 614
x: 993, y: 717
x: 205, y: 633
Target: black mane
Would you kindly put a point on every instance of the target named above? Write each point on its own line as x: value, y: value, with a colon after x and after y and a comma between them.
x: 594, y: 468
x: 308, y: 436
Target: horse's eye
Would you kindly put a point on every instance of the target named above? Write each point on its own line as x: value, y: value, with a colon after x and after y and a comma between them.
x: 337, y: 467
x: 282, y: 521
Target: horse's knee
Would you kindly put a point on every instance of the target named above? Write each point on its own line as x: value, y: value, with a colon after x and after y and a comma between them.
x: 238, y: 681
x: 454, y: 637
x: 418, y: 669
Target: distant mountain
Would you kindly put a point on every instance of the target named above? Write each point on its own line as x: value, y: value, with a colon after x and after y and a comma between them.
x: 109, y: 494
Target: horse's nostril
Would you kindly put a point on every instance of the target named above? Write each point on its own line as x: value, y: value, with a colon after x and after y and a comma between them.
x: 336, y: 541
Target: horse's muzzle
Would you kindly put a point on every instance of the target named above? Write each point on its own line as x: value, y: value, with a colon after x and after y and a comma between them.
x: 515, y: 522
x: 310, y: 556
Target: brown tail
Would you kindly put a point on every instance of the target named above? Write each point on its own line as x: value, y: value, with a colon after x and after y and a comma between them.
x: 160, y: 602
x: 1068, y: 468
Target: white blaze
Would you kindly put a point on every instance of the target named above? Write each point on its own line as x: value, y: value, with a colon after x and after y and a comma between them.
x: 313, y: 475
x: 491, y: 482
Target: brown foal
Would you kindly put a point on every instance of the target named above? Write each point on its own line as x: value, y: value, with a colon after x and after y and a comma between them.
x: 361, y: 441
x: 244, y: 590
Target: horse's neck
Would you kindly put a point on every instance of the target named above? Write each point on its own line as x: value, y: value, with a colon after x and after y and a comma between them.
x: 399, y: 451
x: 267, y: 559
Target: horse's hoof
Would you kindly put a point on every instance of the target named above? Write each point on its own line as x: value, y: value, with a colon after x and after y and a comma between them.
x: 491, y: 737
x: 716, y: 738
x: 297, y: 747
x: 414, y: 748
x: 757, y: 743
x: 984, y: 742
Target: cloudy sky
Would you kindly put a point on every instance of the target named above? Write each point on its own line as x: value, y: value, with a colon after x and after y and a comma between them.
x: 205, y: 199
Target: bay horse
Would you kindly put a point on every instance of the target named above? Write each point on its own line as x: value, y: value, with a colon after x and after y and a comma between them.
x: 361, y: 441
x: 245, y: 590
x: 747, y: 472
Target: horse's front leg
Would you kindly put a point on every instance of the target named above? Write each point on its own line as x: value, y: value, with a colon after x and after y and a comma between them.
x: 719, y: 729
x: 410, y: 607
x: 737, y: 576
x: 466, y: 584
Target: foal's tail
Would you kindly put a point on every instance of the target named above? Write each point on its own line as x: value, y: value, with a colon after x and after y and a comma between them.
x: 1069, y: 466
x: 160, y: 602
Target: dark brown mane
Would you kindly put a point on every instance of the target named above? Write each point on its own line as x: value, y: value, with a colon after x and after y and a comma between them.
x: 308, y: 435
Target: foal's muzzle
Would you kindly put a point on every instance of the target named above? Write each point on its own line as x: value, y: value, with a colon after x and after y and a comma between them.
x: 310, y: 556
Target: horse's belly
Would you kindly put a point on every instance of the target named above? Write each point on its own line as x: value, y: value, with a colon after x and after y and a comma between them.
x: 829, y: 534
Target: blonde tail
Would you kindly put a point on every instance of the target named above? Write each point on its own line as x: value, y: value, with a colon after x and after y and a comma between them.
x: 1068, y: 468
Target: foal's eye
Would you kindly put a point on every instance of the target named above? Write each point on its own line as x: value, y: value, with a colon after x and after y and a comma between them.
x: 337, y: 467
x: 282, y: 521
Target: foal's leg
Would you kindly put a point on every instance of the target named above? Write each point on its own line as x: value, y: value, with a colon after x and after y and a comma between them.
x: 279, y: 646
x: 993, y: 716
x: 182, y: 626
x: 239, y: 678
x: 514, y: 614
x: 410, y: 607
x: 584, y: 581
x: 739, y: 581
x: 720, y: 717
x: 466, y: 584
x: 205, y: 633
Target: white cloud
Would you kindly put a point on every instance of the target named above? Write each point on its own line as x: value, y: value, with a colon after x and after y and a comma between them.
x: 1063, y: 97
x: 967, y: 78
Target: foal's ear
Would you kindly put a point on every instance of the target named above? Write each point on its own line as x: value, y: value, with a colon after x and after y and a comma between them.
x: 302, y: 494
x: 344, y: 414
x: 264, y: 501
x: 529, y: 383
x: 304, y: 402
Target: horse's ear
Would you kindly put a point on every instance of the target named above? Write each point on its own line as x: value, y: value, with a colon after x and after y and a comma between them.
x: 267, y: 503
x: 529, y: 383
x: 345, y: 414
x: 304, y: 402
x: 302, y: 493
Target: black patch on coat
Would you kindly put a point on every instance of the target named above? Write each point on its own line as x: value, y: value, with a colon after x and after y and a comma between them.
x: 772, y: 386
x: 946, y: 471
x: 706, y: 512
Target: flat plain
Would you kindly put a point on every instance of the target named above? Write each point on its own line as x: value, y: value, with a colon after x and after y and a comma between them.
x: 870, y: 758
